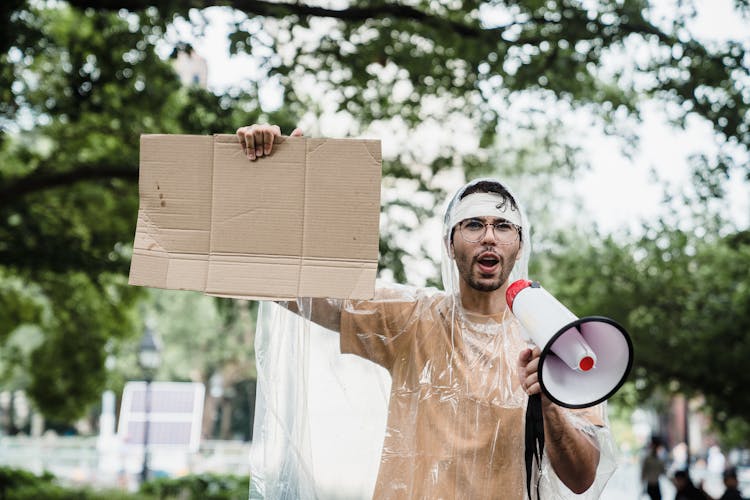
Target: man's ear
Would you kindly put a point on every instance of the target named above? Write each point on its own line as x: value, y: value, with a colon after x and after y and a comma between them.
x: 451, y: 251
x: 519, y: 254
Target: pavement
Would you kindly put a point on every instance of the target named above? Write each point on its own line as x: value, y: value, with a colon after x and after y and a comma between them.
x: 625, y: 484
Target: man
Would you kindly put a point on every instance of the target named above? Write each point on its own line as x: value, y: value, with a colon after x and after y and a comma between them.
x: 685, y: 489
x: 652, y: 468
x: 732, y: 491
x: 461, y: 373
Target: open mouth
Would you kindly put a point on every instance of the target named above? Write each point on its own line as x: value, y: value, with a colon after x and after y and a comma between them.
x: 488, y: 263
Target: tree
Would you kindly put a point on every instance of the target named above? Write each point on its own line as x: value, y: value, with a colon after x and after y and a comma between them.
x: 683, y: 296
x: 217, y: 337
x: 82, y: 80
x: 421, y: 61
x: 85, y: 86
x: 386, y: 58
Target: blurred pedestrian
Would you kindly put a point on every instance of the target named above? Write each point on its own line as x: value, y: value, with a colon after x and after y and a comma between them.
x: 686, y: 490
x: 652, y: 469
x: 716, y: 461
x: 679, y: 457
x: 730, y: 481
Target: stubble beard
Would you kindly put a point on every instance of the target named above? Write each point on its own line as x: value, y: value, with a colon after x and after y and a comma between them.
x: 484, y: 286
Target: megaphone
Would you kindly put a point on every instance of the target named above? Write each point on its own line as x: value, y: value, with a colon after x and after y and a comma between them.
x: 584, y: 361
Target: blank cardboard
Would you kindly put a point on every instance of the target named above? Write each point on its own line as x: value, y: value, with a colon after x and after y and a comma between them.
x: 302, y: 222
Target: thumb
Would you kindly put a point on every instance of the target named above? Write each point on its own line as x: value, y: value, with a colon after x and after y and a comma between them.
x: 297, y: 132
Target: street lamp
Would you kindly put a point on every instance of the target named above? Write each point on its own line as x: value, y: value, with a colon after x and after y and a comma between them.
x: 149, y: 358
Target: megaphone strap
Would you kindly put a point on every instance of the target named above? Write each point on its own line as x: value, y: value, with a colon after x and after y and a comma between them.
x: 534, y: 440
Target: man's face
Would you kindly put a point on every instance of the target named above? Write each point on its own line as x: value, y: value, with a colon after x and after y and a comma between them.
x: 731, y: 482
x: 486, y: 264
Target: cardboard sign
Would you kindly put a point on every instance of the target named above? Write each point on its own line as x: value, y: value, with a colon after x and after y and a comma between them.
x: 302, y: 222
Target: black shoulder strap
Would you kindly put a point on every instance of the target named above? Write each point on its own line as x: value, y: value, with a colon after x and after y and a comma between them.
x: 534, y: 439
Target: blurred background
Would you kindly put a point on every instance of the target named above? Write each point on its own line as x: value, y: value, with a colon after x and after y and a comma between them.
x: 623, y: 124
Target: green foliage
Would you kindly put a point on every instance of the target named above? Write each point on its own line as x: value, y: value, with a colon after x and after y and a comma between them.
x: 215, y: 334
x: 389, y: 59
x: 81, y: 80
x: 18, y: 478
x: 426, y: 60
x: 88, y: 314
x: 684, y: 298
x: 735, y: 433
x: 199, y: 487
x: 86, y: 85
x: 18, y: 484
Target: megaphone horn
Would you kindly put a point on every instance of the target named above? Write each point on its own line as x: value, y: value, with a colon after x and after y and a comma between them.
x: 584, y: 361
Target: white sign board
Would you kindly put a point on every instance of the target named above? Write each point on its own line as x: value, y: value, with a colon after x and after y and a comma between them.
x: 174, y: 415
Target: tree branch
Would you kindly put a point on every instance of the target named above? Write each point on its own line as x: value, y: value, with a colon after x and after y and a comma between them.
x: 16, y: 188
x: 282, y: 9
x: 392, y: 10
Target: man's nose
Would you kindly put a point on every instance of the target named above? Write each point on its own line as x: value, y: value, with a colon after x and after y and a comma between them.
x: 489, y: 234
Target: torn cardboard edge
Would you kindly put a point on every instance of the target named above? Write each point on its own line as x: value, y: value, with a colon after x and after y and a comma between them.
x: 302, y: 222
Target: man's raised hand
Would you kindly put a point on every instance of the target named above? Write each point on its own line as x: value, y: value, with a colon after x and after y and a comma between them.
x: 257, y: 140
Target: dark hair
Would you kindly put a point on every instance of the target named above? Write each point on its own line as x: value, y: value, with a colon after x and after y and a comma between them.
x: 491, y: 187
x: 730, y: 473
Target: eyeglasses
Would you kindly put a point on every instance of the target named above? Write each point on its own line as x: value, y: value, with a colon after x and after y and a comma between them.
x: 474, y: 230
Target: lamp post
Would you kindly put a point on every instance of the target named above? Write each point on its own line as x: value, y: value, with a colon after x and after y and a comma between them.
x: 149, y: 358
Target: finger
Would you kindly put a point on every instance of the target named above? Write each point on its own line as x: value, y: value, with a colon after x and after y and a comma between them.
x: 250, y: 142
x: 241, y: 139
x: 297, y: 132
x: 252, y: 139
x: 531, y: 383
x: 258, y: 139
x: 534, y: 388
x: 267, y: 141
x: 275, y: 131
x: 532, y: 366
x: 524, y: 357
x: 245, y: 136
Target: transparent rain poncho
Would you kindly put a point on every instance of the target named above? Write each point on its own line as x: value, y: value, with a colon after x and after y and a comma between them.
x: 407, y: 395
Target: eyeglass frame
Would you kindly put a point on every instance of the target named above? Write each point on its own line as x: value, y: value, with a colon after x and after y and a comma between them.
x: 494, y: 225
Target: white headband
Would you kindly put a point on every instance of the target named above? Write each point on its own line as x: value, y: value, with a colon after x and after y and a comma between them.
x: 485, y: 205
